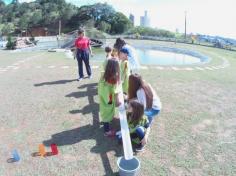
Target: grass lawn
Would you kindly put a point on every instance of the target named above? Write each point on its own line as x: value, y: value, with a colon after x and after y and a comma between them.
x: 41, y: 102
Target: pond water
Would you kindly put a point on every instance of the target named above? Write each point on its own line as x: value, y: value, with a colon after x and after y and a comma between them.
x: 156, y: 57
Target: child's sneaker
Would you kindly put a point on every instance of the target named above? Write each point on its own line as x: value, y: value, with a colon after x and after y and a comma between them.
x: 140, y: 148
x: 110, y: 133
x: 119, y: 137
x: 118, y: 133
x: 80, y: 78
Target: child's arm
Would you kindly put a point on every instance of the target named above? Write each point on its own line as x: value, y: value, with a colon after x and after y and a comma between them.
x: 117, y: 100
x: 145, y: 139
x: 90, y: 50
x: 118, y: 90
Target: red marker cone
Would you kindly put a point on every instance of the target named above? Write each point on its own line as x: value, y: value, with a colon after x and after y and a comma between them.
x: 54, y: 149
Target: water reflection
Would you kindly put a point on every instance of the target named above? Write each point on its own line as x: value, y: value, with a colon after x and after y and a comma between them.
x: 156, y: 57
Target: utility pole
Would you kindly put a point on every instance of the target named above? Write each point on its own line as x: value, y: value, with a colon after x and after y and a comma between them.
x: 185, y: 26
x: 59, y: 33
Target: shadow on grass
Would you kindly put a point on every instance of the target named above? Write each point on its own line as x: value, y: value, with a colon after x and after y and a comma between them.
x: 90, y: 131
x: 55, y: 82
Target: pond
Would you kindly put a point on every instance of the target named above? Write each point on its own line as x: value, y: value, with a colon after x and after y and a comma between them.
x: 157, y: 57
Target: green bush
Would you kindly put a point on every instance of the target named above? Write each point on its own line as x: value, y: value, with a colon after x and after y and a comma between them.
x: 146, y: 31
x: 10, y: 44
x: 104, y: 27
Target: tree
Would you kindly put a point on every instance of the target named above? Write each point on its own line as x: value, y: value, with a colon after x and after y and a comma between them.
x: 36, y: 18
x: 47, y: 13
x: 8, y: 28
x: 103, y: 26
x: 2, y: 6
x: 146, y: 31
x: 120, y: 23
x: 23, y: 23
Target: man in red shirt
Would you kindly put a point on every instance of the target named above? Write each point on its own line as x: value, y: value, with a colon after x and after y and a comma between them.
x: 83, y: 48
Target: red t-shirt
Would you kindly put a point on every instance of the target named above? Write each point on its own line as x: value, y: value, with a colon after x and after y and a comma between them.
x: 82, y: 43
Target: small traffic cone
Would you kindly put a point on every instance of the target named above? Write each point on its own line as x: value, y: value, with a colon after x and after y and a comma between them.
x: 15, y: 155
x: 54, y: 149
x: 42, y: 151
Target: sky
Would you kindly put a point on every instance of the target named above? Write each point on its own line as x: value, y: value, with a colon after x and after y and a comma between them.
x: 210, y: 17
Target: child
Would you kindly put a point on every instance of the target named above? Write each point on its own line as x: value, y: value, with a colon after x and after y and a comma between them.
x: 145, y: 95
x: 114, y: 53
x: 108, y: 51
x: 124, y: 69
x: 138, y: 124
x: 109, y: 55
x: 108, y: 89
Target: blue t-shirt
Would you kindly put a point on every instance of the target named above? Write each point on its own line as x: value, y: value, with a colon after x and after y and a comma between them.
x: 132, y: 57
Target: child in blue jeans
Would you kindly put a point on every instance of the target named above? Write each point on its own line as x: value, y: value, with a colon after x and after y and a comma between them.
x: 138, y: 125
x: 146, y: 95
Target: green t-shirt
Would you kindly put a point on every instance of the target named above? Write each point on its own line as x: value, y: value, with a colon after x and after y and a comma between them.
x: 124, y: 74
x: 132, y: 127
x: 107, y: 93
x: 142, y: 122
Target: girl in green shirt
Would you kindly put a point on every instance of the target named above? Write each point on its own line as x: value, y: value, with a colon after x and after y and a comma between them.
x: 138, y: 124
x: 108, y: 89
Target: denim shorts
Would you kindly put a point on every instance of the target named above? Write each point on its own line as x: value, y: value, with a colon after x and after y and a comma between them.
x: 151, y: 114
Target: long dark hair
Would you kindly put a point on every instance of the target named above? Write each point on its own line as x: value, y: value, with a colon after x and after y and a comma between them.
x: 135, y: 83
x: 112, y: 71
x: 137, y: 113
x: 119, y: 44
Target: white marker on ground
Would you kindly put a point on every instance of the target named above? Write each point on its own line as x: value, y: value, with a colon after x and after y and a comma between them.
x: 51, y: 66
x: 214, y: 67
x: 15, y: 68
x: 188, y: 69
x: 94, y: 66
x: 144, y: 67
x: 199, y: 68
x: 65, y: 67
x: 159, y: 68
x: 208, y: 68
x: 10, y: 66
x: 175, y: 68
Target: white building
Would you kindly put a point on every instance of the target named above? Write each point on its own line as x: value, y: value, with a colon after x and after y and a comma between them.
x: 131, y: 18
x: 145, y: 20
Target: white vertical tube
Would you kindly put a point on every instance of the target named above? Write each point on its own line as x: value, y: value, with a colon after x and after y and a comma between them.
x: 127, y: 147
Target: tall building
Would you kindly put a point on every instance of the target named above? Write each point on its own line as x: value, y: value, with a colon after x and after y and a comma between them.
x: 145, y: 20
x: 131, y: 18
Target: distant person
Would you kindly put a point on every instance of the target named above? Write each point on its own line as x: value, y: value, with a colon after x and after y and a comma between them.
x: 109, y: 55
x: 119, y: 44
x: 132, y: 55
x: 108, y: 89
x: 108, y: 51
x: 146, y: 95
x: 83, y: 48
